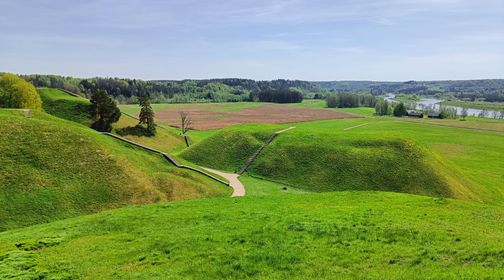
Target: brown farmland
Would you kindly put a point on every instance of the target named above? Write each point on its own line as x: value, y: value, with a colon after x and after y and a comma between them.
x: 271, y: 113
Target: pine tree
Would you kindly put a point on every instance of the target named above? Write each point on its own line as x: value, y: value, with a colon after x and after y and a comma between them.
x: 104, y: 111
x: 147, y: 115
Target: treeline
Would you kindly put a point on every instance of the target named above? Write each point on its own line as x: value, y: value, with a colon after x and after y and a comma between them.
x: 216, y: 90
x: 491, y: 90
x: 350, y: 100
x: 278, y: 96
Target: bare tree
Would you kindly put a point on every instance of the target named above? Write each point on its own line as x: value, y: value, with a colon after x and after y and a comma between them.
x: 185, y: 125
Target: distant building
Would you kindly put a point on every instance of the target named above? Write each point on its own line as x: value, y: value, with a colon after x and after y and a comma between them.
x: 434, y: 115
x: 414, y: 114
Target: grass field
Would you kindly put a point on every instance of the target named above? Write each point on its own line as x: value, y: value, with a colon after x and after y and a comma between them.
x: 349, y: 235
x: 52, y: 169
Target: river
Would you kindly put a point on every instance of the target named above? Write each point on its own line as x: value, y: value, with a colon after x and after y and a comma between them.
x: 434, y: 103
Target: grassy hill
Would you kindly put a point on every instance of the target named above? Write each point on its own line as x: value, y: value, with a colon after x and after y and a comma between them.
x: 52, y: 169
x: 355, y: 235
x: 230, y: 148
x: 384, y: 154
x: 65, y: 106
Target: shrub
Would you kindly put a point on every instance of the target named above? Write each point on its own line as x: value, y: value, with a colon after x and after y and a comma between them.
x: 400, y: 110
x: 17, y: 93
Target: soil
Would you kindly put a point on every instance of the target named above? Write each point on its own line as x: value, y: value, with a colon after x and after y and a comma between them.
x: 271, y: 113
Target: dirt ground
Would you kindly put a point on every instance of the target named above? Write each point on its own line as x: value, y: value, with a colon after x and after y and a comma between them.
x: 270, y: 113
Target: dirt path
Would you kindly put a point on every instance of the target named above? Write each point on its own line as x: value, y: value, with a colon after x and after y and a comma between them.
x: 238, y: 188
x: 348, y: 128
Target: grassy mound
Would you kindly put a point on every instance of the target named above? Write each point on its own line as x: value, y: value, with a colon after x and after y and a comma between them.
x: 51, y: 169
x: 229, y: 149
x: 346, y: 235
x: 327, y: 163
x: 65, y: 106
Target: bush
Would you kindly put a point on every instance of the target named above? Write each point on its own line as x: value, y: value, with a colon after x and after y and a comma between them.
x: 400, y: 110
x: 17, y: 93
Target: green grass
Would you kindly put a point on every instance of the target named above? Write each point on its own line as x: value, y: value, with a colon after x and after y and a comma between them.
x: 65, y: 106
x: 387, y: 154
x: 261, y: 187
x: 230, y: 148
x: 346, y: 235
x: 52, y: 169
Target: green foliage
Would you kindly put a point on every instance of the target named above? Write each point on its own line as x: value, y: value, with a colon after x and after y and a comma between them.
x: 52, y: 169
x: 382, y: 108
x: 350, y: 100
x: 346, y: 235
x: 17, y: 93
x: 146, y: 115
x: 104, y: 111
x: 399, y: 110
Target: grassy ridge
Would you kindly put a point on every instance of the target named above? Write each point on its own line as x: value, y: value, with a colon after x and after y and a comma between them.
x: 65, y: 106
x: 353, y: 235
x: 230, y: 148
x: 52, y: 169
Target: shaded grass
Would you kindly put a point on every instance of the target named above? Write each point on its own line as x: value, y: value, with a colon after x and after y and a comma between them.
x: 52, y: 169
x: 65, y: 106
x: 347, y: 235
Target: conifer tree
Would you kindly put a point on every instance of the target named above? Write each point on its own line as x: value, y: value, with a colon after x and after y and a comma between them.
x: 147, y: 114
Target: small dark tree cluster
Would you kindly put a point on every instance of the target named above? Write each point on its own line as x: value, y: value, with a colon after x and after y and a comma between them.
x: 400, y: 110
x: 104, y: 111
x: 280, y: 96
x: 350, y: 100
x: 146, y: 116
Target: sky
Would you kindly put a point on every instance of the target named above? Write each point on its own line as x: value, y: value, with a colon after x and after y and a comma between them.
x: 386, y: 40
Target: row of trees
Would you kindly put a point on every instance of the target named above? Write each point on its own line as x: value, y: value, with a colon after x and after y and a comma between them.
x: 17, y: 93
x: 129, y: 90
x: 278, y: 96
x: 350, y: 100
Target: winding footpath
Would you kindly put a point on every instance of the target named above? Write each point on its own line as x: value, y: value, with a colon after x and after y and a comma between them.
x: 238, y: 188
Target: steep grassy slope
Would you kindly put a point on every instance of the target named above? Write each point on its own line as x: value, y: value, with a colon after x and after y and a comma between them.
x: 230, y: 148
x: 65, y: 106
x: 51, y: 169
x: 356, y: 235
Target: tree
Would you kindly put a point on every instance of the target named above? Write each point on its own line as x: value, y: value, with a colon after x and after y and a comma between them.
x: 147, y: 115
x: 464, y: 112
x: 400, y: 110
x: 382, y: 107
x: 18, y: 93
x: 185, y: 125
x: 104, y: 111
x: 332, y: 101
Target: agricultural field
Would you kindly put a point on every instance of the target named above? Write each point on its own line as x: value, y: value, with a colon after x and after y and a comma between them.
x: 219, y: 115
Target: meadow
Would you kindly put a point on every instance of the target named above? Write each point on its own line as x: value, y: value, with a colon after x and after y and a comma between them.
x: 328, y: 199
x: 370, y: 235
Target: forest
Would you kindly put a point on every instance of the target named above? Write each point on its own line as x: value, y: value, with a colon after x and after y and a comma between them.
x: 127, y: 91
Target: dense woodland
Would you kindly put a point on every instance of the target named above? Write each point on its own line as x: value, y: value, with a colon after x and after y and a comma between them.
x: 234, y: 90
